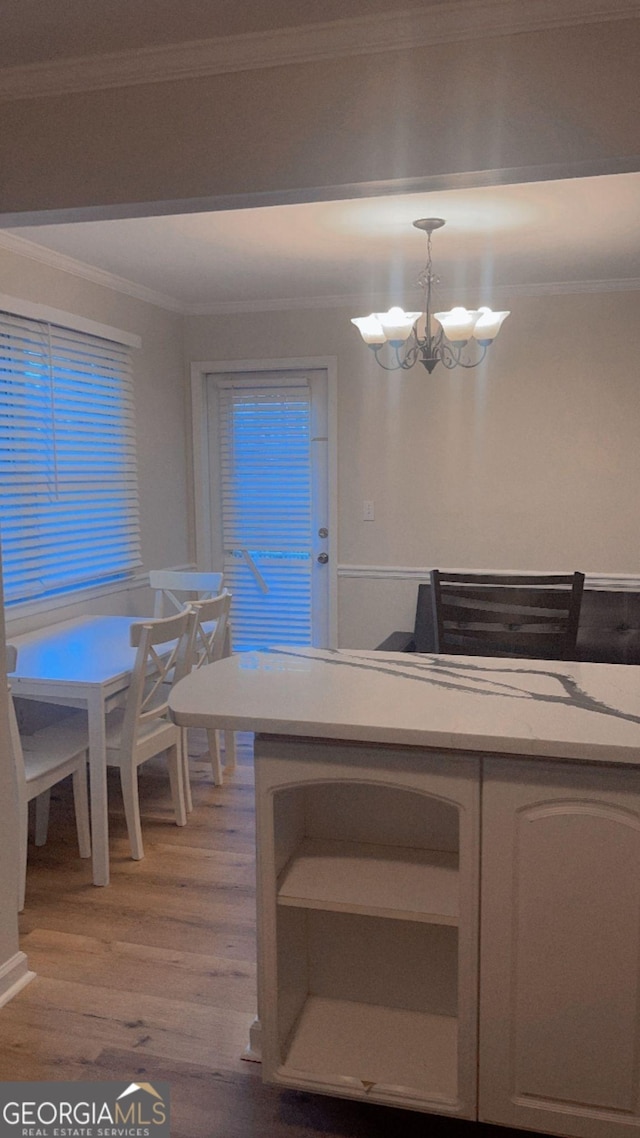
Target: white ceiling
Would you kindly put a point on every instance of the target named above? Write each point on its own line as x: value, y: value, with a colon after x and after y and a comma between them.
x: 544, y: 233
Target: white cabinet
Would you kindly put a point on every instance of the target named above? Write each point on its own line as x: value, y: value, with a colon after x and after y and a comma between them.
x: 369, y: 872
x: 368, y: 899
x: 369, y: 869
x: 560, y: 947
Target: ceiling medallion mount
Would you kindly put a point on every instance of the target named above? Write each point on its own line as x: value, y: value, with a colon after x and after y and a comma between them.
x: 428, y: 224
x: 459, y: 338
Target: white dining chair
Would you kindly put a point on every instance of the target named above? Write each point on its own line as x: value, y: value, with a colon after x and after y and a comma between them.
x: 142, y: 729
x: 209, y: 642
x: 41, y: 761
x: 174, y: 589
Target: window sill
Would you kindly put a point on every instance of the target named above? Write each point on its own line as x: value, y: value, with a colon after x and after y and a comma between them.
x: 28, y: 609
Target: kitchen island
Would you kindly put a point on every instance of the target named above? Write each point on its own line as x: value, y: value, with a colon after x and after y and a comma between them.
x: 448, y: 879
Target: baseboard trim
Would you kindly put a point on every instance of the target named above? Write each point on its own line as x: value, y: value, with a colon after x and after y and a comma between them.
x: 253, y: 1051
x: 14, y: 976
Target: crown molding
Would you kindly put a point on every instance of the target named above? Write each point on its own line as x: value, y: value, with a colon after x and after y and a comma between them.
x: 366, y: 35
x: 381, y: 301
x: 282, y: 304
x: 555, y: 288
x: 24, y: 248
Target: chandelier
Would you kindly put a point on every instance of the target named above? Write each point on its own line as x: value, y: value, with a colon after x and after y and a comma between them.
x: 458, y: 338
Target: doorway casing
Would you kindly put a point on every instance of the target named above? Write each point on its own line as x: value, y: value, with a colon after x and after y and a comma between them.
x: 201, y: 373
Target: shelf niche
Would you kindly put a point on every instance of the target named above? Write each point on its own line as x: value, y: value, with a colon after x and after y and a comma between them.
x: 367, y: 944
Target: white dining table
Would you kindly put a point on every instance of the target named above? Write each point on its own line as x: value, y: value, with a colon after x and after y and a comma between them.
x: 84, y: 663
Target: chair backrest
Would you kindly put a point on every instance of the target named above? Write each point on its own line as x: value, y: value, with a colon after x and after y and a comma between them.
x: 528, y: 615
x: 161, y: 660
x: 209, y: 625
x: 175, y: 588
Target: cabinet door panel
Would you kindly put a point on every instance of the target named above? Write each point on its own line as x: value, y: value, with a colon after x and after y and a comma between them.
x: 560, y: 938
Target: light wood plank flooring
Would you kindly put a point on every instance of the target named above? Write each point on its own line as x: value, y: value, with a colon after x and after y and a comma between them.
x: 154, y: 976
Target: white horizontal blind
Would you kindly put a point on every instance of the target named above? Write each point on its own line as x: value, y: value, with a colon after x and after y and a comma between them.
x: 265, y: 470
x: 68, y: 482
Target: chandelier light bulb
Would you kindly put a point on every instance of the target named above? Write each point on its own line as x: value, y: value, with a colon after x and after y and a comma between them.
x: 488, y: 324
x: 458, y: 324
x: 370, y: 329
x: 397, y: 324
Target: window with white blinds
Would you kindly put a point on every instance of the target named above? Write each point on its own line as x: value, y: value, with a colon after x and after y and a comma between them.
x: 264, y: 437
x: 68, y: 483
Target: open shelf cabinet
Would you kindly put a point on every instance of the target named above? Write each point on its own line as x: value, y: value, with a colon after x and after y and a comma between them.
x: 368, y: 926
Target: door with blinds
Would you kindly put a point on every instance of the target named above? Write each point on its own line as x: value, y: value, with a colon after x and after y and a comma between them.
x: 268, y: 463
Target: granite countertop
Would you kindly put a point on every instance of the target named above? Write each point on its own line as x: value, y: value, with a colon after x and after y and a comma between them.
x: 563, y: 710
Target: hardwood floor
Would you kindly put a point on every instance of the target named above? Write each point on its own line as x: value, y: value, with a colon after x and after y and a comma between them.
x: 154, y: 976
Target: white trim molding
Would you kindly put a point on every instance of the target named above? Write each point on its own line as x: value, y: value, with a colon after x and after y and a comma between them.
x: 23, y: 247
x: 626, y: 582
x: 381, y: 301
x: 14, y: 976
x: 557, y: 288
x: 33, y: 311
x: 425, y: 26
x: 26, y: 610
x: 201, y: 371
x: 21, y: 617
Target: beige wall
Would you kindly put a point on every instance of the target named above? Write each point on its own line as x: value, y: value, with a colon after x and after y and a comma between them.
x: 562, y: 99
x: 159, y: 386
x: 525, y: 463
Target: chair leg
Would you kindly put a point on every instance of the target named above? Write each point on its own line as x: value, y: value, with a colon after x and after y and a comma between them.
x: 188, y: 801
x: 81, y: 807
x: 23, y: 838
x: 176, y: 778
x: 42, y: 816
x: 129, y: 784
x: 214, y: 755
x: 229, y: 750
